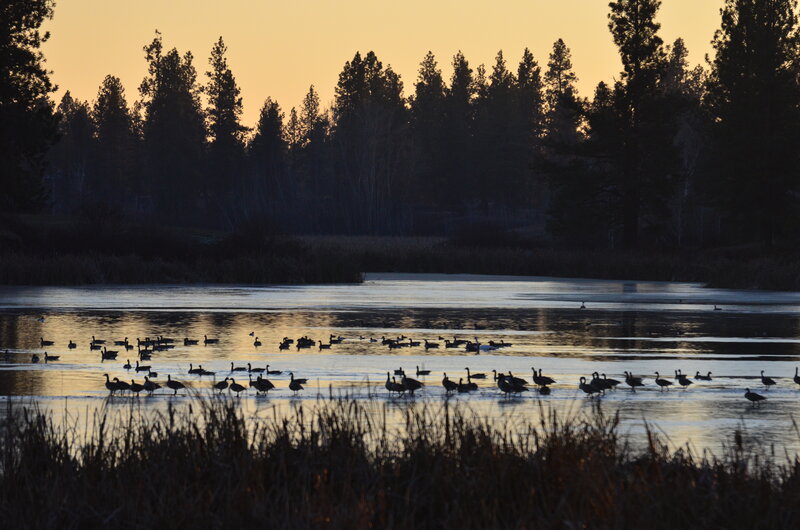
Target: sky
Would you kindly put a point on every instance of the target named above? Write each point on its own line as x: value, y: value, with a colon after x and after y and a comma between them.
x: 279, y: 48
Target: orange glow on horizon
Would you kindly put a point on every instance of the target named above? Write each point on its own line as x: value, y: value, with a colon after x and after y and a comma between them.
x: 278, y: 49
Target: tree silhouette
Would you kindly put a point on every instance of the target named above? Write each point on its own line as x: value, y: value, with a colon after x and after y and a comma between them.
x: 28, y: 126
x: 115, y: 162
x: 754, y: 99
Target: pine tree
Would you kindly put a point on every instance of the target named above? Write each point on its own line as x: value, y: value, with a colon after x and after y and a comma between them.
x: 28, y: 125
x: 72, y: 156
x: 754, y: 98
x: 563, y: 106
x: 427, y: 108
x: 116, y: 142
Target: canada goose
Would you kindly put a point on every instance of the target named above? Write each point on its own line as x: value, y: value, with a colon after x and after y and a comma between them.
x: 430, y: 345
x: 95, y: 347
x: 412, y: 385
x: 682, y: 379
x: 250, y: 369
x: 796, y: 377
x: 236, y: 387
x: 45, y: 342
x: 174, y: 385
x: 753, y: 397
x: 583, y: 305
x: 541, y: 380
x: 256, y: 343
x: 237, y: 368
x: 34, y: 358
x: 701, y: 377
x: 273, y: 372
x: 206, y: 340
x: 512, y: 379
x: 48, y: 358
x: 612, y: 383
x: 72, y: 345
x: 448, y: 385
x: 422, y: 372
x: 663, y: 383
x: 128, y: 347
x: 324, y: 346
x: 198, y: 370
x: 98, y: 341
x: 632, y: 381
x: 599, y: 384
x: 283, y: 346
x: 469, y: 385
x: 263, y: 385
x: 152, y: 374
x: 301, y: 380
x: 189, y: 342
x: 399, y: 371
x: 393, y: 386
x: 294, y: 384
x: 142, y: 368
x: 121, y: 342
x: 108, y: 354
x: 203, y: 371
x: 588, y: 389
x: 136, y: 387
x: 222, y: 385
x: 717, y: 308
x: 110, y: 385
x: 766, y: 381
x: 121, y: 385
x: 474, y: 376
x: 150, y: 386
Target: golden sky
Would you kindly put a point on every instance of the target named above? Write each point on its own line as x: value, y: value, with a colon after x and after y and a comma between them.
x: 279, y: 48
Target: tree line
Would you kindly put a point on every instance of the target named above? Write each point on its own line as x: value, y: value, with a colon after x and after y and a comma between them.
x: 667, y: 155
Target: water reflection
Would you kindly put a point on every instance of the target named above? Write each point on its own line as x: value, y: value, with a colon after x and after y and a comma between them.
x: 640, y: 327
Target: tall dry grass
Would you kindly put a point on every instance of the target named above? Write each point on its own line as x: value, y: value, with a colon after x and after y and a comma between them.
x: 339, y: 465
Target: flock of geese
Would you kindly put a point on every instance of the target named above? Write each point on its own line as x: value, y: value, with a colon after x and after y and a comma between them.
x: 398, y: 384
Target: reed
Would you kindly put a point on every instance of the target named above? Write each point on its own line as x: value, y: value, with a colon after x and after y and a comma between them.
x: 341, y: 464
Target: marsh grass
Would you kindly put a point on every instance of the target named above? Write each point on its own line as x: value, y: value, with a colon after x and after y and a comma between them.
x: 339, y: 464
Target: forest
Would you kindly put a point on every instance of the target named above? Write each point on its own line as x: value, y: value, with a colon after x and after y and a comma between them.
x: 669, y: 156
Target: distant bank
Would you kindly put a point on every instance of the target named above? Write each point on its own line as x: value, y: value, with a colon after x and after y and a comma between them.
x: 342, y: 259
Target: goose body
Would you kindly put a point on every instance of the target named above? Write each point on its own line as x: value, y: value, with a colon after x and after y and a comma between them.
x: 136, y: 387
x: 422, y: 372
x: 663, y: 383
x: 72, y: 345
x: 766, y: 381
x: 632, y: 381
x: 474, y: 376
x: 48, y: 358
x: 701, y: 377
x: 256, y: 343
x: 411, y: 385
x: 294, y: 384
x: 237, y: 368
x: 174, y: 385
x: 150, y: 386
x: 236, y: 387
x: 753, y: 397
x: 110, y: 385
x: 448, y: 385
x: 206, y: 340
x: 393, y: 386
x: 796, y: 376
x: 195, y: 371
x: 250, y: 369
x: 142, y: 368
x: 263, y: 385
x: 273, y: 372
x: 222, y: 385
x: 587, y: 389
x: 189, y: 342
x: 45, y: 342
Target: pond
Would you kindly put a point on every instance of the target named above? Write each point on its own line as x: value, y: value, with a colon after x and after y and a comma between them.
x: 641, y: 327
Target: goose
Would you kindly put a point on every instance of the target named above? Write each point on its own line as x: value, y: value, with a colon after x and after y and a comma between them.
x: 237, y: 368
x: 717, y: 308
x: 190, y: 342
x: 142, y: 368
x: 470, y: 386
x: 583, y: 305
x: 295, y: 385
x: 110, y: 385
x: 541, y: 380
x: 263, y: 385
x: 512, y: 379
x: 796, y: 377
x: 256, y: 343
x: 461, y: 387
x: 109, y: 354
x: 422, y: 372
x: 34, y: 358
x: 663, y: 383
x: 195, y: 371
x: 203, y: 371
x: 430, y: 345
x: 302, y: 380
x: 273, y: 372
x: 544, y: 390
x: 45, y: 342
x: 753, y: 397
x: 682, y: 379
x: 121, y: 342
x: 324, y: 346
x: 174, y: 385
x: 474, y: 376
x: 97, y: 341
x: 222, y: 385
x: 701, y: 377
x: 136, y: 387
x: 448, y: 385
x: 399, y: 371
x: 128, y: 347
x: 48, y: 358
x: 250, y: 369
x: 152, y: 374
x: 766, y: 381
x: 206, y: 340
x: 393, y: 386
x: 588, y: 389
x: 283, y: 346
x: 599, y: 384
x: 72, y: 345
x: 121, y: 385
x: 632, y: 381
x: 95, y: 347
x: 412, y: 385
x: 236, y: 387
x: 611, y: 382
x: 150, y: 386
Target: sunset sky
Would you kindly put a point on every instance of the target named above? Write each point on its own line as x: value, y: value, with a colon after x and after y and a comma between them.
x: 278, y: 49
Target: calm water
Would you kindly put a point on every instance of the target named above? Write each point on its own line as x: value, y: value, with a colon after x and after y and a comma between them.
x: 637, y: 326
